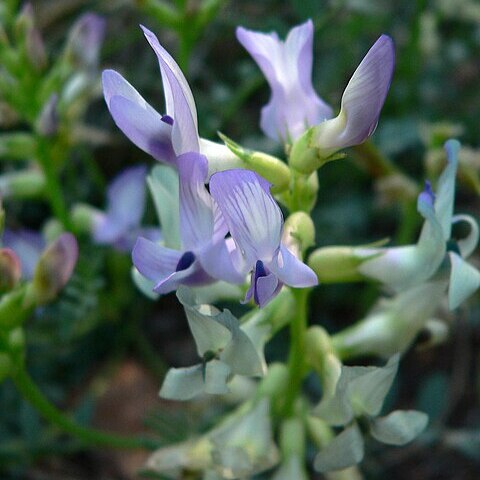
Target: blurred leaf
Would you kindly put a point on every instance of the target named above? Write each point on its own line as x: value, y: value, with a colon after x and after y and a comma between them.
x: 399, y: 427
x: 345, y: 450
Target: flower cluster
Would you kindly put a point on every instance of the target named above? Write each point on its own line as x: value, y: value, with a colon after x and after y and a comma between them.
x: 234, y: 227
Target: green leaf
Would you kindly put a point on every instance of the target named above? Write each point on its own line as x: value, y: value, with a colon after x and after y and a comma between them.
x: 345, y: 450
x: 399, y: 427
x: 164, y: 187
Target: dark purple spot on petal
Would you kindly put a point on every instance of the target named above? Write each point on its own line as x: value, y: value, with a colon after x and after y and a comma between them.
x: 167, y: 119
x: 260, y: 271
x: 185, y: 261
x: 429, y: 191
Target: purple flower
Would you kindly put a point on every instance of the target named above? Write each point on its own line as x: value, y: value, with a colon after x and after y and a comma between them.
x: 28, y: 245
x: 255, y: 222
x: 362, y: 101
x: 287, y: 66
x: 205, y: 255
x: 163, y: 136
x: 294, y: 106
x: 119, y: 225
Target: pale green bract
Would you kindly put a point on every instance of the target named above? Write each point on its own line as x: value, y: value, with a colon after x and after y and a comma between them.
x: 225, y: 349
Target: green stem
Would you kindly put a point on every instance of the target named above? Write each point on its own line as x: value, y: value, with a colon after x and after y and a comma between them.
x: 53, y: 190
x: 296, y: 360
x: 88, y: 436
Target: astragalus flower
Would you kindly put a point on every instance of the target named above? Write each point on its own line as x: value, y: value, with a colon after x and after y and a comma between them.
x: 205, y: 254
x: 403, y: 267
x: 120, y: 224
x: 294, y: 106
x: 255, y: 222
x: 164, y: 137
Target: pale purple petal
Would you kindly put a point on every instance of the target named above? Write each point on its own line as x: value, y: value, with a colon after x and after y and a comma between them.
x: 266, y: 289
x: 136, y: 118
x: 86, y: 38
x: 287, y: 66
x: 362, y: 100
x: 28, y: 245
x: 221, y: 261
x: 292, y: 271
x: 126, y: 242
x: 253, y: 217
x: 154, y: 261
x: 192, y: 276
x: 126, y: 196
x: 196, y: 205
x: 179, y: 99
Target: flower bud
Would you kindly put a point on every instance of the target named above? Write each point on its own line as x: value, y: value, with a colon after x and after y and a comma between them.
x: 22, y: 184
x: 47, y: 122
x: 34, y: 46
x: 10, y: 269
x: 298, y: 233
x: 85, y: 40
x: 83, y: 217
x: 336, y: 264
x: 303, y: 156
x: 321, y: 356
x: 393, y: 324
x: 269, y: 167
x: 55, y: 268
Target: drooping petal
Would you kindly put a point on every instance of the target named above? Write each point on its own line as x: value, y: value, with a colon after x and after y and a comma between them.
x: 469, y: 244
x: 154, y: 261
x: 125, y: 206
x: 197, y: 215
x: 445, y: 197
x: 253, y: 217
x: 287, y: 66
x: 464, y: 281
x: 179, y: 99
x: 136, y: 118
x: 292, y: 271
x: 362, y: 100
x: 403, y: 267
